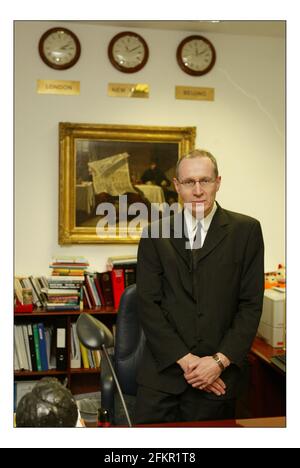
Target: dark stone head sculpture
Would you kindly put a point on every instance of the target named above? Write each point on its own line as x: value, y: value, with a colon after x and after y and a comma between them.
x: 49, y: 404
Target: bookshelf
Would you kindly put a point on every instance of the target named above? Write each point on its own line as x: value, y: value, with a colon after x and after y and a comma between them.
x: 78, y: 380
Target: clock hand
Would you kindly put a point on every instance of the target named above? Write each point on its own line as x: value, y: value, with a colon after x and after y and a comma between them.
x: 66, y: 46
x: 131, y: 50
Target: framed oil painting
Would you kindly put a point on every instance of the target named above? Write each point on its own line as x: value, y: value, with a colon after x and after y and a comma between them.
x: 112, y: 177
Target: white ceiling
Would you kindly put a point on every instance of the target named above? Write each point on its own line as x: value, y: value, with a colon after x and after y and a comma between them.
x: 250, y: 28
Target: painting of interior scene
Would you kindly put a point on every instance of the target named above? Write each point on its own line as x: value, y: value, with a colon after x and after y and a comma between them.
x: 143, y: 171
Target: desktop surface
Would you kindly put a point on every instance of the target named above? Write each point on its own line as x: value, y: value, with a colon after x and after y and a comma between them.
x: 253, y: 422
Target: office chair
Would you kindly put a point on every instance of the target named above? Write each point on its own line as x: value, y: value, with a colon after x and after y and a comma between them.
x: 129, y: 346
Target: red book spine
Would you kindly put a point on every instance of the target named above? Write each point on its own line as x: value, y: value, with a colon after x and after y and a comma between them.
x: 118, y: 285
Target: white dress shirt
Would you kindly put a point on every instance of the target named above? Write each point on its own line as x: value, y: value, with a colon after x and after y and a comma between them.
x: 192, y: 224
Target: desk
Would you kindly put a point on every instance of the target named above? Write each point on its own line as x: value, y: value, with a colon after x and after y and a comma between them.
x: 263, y: 403
x: 264, y: 351
x: 267, y: 383
x: 254, y: 422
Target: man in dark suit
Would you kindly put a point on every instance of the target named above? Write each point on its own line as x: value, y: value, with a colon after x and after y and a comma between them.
x: 200, y: 300
x: 154, y: 175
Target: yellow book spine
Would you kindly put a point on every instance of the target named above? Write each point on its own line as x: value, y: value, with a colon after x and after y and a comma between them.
x: 84, y: 355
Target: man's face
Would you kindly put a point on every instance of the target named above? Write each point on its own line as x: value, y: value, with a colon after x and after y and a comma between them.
x: 201, y: 194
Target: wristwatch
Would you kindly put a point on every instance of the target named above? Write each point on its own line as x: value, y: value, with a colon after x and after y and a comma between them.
x: 218, y: 361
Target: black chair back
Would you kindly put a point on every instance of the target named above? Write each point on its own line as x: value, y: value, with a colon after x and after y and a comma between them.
x: 129, y: 342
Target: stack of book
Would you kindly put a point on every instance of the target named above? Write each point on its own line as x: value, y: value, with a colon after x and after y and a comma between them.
x: 59, y: 297
x: 69, y: 266
x: 65, y: 286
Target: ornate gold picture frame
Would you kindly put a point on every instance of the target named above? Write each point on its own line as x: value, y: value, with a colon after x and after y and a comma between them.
x: 99, y: 163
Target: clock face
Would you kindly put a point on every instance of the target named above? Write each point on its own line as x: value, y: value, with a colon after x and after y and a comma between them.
x: 59, y: 48
x: 128, y: 52
x: 196, y: 55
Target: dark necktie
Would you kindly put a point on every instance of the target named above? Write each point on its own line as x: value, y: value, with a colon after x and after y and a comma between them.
x: 197, y: 239
x: 195, y: 251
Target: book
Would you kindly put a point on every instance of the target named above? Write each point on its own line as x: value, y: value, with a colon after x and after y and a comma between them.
x: 27, y: 348
x: 99, y: 290
x: 18, y: 290
x: 118, y: 261
x: 26, y: 283
x: 118, y: 285
x: 60, y: 292
x: 65, y: 272
x: 63, y: 299
x: 106, y: 287
x: 86, y: 298
x: 31, y: 346
x: 37, y: 346
x: 75, y: 349
x: 50, y: 346
x: 81, y: 307
x: 84, y: 355
x: 89, y: 291
x: 69, y: 266
x: 130, y: 276
x: 16, y: 359
x: 97, y: 358
x: 20, y: 348
x: 43, y: 347
x: 122, y: 259
x: 61, y: 306
x: 69, y: 259
x: 92, y: 290
x: 38, y: 300
x: 61, y: 345
x: 64, y: 280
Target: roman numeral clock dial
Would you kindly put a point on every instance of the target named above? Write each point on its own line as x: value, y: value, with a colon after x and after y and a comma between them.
x: 128, y: 52
x: 196, y: 55
x: 59, y: 48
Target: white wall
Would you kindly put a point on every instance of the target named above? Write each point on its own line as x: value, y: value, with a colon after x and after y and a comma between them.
x: 244, y: 128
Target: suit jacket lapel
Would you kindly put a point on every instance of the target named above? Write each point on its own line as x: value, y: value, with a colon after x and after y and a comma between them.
x: 180, y: 242
x: 216, y: 233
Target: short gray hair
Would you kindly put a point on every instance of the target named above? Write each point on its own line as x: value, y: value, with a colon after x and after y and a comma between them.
x: 198, y: 153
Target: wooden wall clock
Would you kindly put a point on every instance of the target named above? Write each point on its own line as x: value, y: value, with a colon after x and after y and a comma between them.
x: 59, y: 48
x: 196, y: 55
x: 128, y: 52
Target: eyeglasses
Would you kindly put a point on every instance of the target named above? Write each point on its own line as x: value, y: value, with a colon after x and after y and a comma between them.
x: 191, y: 183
